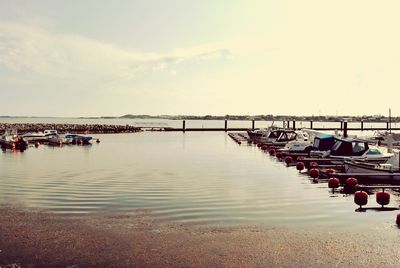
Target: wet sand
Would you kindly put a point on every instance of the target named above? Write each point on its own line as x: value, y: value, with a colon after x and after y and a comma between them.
x: 39, y: 239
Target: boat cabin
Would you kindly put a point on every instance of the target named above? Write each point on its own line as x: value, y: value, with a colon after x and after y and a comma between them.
x: 50, y: 132
x: 324, y: 142
x: 349, y: 147
x: 287, y: 135
x: 275, y: 134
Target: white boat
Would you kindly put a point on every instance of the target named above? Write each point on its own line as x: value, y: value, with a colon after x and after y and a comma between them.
x: 315, y: 141
x: 281, y: 137
x: 57, y: 139
x: 354, y: 149
x: 386, y: 138
x: 261, y: 132
x: 383, y: 173
x: 39, y: 136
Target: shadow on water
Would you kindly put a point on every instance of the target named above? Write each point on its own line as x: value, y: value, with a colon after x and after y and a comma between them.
x: 379, y: 209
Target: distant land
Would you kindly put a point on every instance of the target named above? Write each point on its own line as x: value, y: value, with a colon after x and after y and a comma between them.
x: 268, y: 117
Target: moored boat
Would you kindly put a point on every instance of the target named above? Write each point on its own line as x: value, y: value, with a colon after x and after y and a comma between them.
x: 11, y: 140
x: 58, y: 139
x: 77, y: 139
x: 39, y: 136
x: 378, y: 173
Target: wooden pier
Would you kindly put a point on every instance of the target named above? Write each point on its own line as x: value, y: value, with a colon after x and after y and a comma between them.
x: 342, y: 126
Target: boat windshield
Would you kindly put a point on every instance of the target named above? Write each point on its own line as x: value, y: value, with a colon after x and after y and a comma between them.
x: 336, y: 146
x: 274, y: 134
x: 373, y: 151
x: 358, y: 147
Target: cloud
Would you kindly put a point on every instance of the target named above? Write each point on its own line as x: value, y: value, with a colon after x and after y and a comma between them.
x: 38, y: 51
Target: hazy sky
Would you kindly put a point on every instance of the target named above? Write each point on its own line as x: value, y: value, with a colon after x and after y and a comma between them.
x: 90, y: 58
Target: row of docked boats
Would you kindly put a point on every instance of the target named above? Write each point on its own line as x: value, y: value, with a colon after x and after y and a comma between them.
x: 11, y: 140
x: 356, y: 157
x: 52, y: 136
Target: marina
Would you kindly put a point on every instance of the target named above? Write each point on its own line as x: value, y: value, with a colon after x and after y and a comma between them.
x: 175, y: 188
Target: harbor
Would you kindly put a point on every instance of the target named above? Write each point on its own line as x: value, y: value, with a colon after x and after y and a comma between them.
x: 191, y: 134
x: 213, y: 191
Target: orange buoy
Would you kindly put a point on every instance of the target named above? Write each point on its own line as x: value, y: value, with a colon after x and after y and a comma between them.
x: 37, y: 144
x: 360, y: 198
x: 300, y: 166
x: 382, y: 198
x: 272, y: 152
x: 333, y: 183
x: 314, y: 173
x: 288, y: 160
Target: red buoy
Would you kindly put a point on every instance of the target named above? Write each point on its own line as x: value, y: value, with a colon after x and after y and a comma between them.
x: 329, y: 171
x: 272, y: 152
x: 313, y: 164
x: 288, y: 160
x: 350, y: 186
x: 382, y: 198
x: 398, y: 219
x: 333, y: 183
x: 314, y: 173
x: 239, y: 142
x: 264, y: 147
x: 352, y: 182
x: 360, y: 198
x: 37, y: 144
x: 98, y: 141
x: 279, y: 155
x: 300, y: 166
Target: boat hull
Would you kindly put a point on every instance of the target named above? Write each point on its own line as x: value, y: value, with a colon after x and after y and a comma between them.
x: 372, y: 172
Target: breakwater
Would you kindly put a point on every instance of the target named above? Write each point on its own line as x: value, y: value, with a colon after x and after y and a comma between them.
x: 63, y: 128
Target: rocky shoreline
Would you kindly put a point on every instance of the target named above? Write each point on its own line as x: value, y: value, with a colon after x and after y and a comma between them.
x: 23, y: 128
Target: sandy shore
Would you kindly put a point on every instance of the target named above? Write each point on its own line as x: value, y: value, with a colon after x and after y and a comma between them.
x: 39, y: 239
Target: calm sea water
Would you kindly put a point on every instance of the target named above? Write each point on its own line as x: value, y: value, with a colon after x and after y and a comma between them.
x: 201, y: 178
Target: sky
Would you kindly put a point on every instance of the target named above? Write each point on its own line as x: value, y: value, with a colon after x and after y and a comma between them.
x: 190, y: 57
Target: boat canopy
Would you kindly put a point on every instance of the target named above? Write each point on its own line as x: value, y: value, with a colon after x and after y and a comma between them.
x: 287, y: 135
x: 324, y: 142
x: 275, y: 134
x: 349, y: 147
